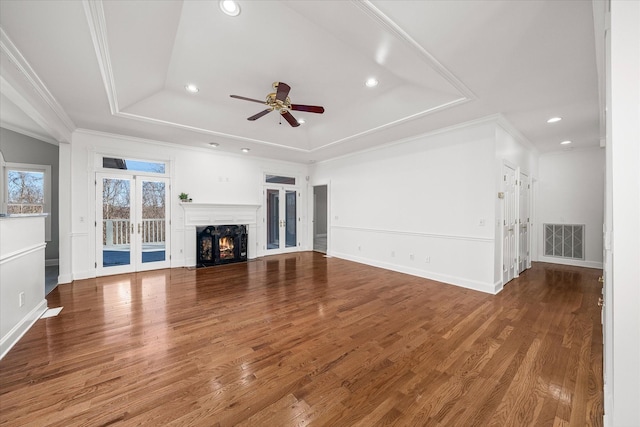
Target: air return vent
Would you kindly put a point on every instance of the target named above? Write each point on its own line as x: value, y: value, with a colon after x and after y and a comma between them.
x: 564, y: 240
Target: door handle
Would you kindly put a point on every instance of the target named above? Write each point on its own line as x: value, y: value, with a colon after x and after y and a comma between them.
x: 601, y: 279
x: 600, y: 302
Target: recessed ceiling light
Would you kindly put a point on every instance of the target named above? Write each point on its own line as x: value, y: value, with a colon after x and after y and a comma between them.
x: 371, y: 82
x: 301, y: 121
x: 565, y: 142
x: 554, y: 119
x: 213, y: 144
x: 245, y: 150
x: 192, y: 88
x: 230, y: 7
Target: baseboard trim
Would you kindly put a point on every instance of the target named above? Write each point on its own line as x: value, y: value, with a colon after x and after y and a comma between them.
x: 18, y: 331
x: 87, y: 274
x: 489, y: 288
x: 64, y: 278
x: 572, y: 262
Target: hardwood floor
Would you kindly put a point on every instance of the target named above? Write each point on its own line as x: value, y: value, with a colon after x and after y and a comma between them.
x: 301, y: 339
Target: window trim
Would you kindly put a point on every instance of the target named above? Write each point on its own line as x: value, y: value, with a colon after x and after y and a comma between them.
x: 30, y: 167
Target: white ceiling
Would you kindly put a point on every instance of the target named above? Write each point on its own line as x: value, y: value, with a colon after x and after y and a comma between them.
x: 122, y: 67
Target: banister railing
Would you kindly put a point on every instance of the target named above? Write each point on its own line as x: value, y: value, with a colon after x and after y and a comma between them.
x: 117, y: 232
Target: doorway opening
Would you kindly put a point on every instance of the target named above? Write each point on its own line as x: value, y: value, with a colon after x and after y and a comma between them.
x: 320, y: 214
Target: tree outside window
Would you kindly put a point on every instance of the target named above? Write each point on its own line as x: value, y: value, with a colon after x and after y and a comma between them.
x: 25, y: 192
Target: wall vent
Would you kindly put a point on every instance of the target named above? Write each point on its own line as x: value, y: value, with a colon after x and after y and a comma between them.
x: 564, y: 240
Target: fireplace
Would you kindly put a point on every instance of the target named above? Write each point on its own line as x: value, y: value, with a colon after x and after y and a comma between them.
x: 221, y: 244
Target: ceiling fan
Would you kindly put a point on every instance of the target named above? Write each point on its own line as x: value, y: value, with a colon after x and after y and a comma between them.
x: 279, y: 100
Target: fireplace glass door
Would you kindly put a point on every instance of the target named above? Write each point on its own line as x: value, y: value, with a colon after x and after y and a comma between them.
x: 281, y: 220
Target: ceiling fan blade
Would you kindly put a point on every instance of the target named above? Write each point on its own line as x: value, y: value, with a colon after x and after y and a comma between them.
x: 308, y: 108
x: 283, y: 91
x: 247, y: 99
x: 288, y: 117
x: 260, y: 114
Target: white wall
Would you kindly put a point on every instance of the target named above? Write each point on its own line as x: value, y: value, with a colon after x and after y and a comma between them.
x: 22, y: 248
x: 622, y: 283
x: 206, y: 175
x: 396, y: 206
x: 571, y: 191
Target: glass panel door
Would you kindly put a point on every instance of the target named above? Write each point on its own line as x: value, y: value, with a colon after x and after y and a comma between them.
x: 291, y: 238
x: 281, y: 220
x: 114, y: 223
x: 152, y: 227
x: 273, y: 219
x: 131, y: 223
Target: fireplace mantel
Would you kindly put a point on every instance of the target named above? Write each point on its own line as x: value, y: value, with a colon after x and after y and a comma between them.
x: 219, y: 214
x: 199, y: 214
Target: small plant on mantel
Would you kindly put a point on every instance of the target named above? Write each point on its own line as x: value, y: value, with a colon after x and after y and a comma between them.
x: 184, y: 197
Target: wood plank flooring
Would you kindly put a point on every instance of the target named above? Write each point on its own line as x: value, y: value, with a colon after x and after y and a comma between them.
x: 301, y: 339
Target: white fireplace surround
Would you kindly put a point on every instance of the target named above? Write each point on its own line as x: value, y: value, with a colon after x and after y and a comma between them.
x: 203, y: 214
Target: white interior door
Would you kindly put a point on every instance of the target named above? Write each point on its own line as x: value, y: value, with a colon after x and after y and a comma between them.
x: 131, y: 223
x: 509, y: 225
x: 281, y: 219
x: 523, y: 224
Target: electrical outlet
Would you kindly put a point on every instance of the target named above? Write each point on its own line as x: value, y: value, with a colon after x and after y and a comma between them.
x: 411, y: 257
x: 482, y: 222
x: 427, y: 259
x: 21, y: 299
x: 393, y: 254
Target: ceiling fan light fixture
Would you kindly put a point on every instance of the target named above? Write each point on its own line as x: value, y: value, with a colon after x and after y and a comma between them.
x: 567, y: 142
x: 554, y: 119
x: 371, y: 82
x: 245, y: 150
x: 192, y: 88
x: 301, y: 121
x: 230, y: 7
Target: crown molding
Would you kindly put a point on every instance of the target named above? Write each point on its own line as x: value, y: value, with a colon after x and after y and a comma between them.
x: 394, y: 123
x: 375, y: 13
x: 62, y: 126
x: 519, y: 137
x: 26, y: 132
x: 493, y: 118
x: 96, y: 20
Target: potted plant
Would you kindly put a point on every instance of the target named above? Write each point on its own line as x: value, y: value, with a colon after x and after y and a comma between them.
x: 184, y: 197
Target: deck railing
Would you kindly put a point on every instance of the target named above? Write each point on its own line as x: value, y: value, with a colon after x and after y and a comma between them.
x: 117, y: 232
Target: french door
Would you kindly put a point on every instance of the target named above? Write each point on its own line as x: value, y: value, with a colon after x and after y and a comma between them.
x: 281, y: 219
x: 509, y: 260
x: 524, y: 222
x: 132, y: 232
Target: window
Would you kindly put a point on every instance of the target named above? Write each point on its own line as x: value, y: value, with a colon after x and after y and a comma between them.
x: 133, y: 165
x: 277, y: 179
x: 25, y: 191
x: 28, y: 190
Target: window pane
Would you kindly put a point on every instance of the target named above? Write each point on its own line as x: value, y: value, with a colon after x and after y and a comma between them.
x: 133, y: 165
x: 25, y: 192
x: 153, y: 221
x: 276, y: 179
